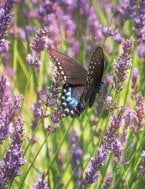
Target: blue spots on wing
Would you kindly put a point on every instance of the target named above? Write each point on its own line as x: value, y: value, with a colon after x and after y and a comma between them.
x: 73, y: 102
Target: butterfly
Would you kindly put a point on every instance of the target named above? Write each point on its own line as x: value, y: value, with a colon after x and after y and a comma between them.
x: 80, y: 86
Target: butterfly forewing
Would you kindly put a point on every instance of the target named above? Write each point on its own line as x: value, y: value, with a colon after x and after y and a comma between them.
x: 94, y: 77
x: 71, y: 71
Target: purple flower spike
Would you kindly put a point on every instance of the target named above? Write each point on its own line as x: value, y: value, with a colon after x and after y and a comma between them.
x: 142, y: 165
x: 134, y: 85
x: 10, y: 125
x: 84, y: 7
x: 140, y: 110
x: 110, y: 143
x: 13, y: 160
x: 96, y: 163
x: 135, y: 74
x: 107, y: 31
x: 94, y: 25
x: 122, y: 68
x: 108, y: 181
x: 127, y: 8
x: 130, y: 118
x: 77, y: 154
x: 40, y: 42
x: 4, y: 46
x: 33, y: 61
x: 41, y: 184
x: 9, y: 107
x: 6, y: 19
x: 140, y: 31
x: 110, y: 103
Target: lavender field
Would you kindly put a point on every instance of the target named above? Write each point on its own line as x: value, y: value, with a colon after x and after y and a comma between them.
x: 46, y: 146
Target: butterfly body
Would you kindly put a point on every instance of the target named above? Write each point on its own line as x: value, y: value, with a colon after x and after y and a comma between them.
x: 80, y: 87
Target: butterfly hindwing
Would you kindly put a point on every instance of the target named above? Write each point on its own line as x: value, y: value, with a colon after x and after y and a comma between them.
x: 94, y: 77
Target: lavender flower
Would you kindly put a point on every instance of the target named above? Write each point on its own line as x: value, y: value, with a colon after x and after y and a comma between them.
x: 140, y: 110
x: 109, y: 79
x: 44, y: 100
x: 75, y: 48
x: 13, y: 160
x: 140, y: 24
x: 141, y: 50
x: 72, y: 6
x: 9, y: 107
x: 107, y: 31
x: 33, y: 61
x: 18, y: 32
x: 107, y: 6
x: 127, y: 9
x: 70, y: 27
x: 94, y: 26
x: 130, y: 118
x: 77, y: 153
x: 110, y: 143
x: 10, y: 125
x: 38, y: 112
x: 51, y: 15
x: 39, y: 43
x: 54, y: 93
x: 4, y: 46
x: 108, y: 181
x: 134, y: 85
x: 142, y: 165
x: 135, y: 74
x: 123, y: 66
x: 110, y: 103
x: 84, y: 7
x: 96, y: 163
x: 6, y: 20
x: 41, y: 184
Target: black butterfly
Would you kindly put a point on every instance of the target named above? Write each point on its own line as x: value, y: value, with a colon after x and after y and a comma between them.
x: 80, y: 87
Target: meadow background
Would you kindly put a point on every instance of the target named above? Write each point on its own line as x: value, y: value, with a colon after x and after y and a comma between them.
x: 105, y: 146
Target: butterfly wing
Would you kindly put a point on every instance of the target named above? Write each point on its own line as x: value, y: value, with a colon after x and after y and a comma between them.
x: 71, y: 71
x: 80, y: 88
x: 74, y: 76
x: 94, y: 77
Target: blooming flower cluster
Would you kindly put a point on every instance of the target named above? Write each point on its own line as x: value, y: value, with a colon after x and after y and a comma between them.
x: 125, y: 63
x: 140, y: 110
x: 77, y: 154
x: 109, y: 143
x: 126, y: 8
x: 11, y: 125
x: 41, y: 184
x: 6, y: 20
x: 106, y: 31
x: 142, y: 165
x: 134, y: 85
x: 39, y: 43
x: 140, y: 31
